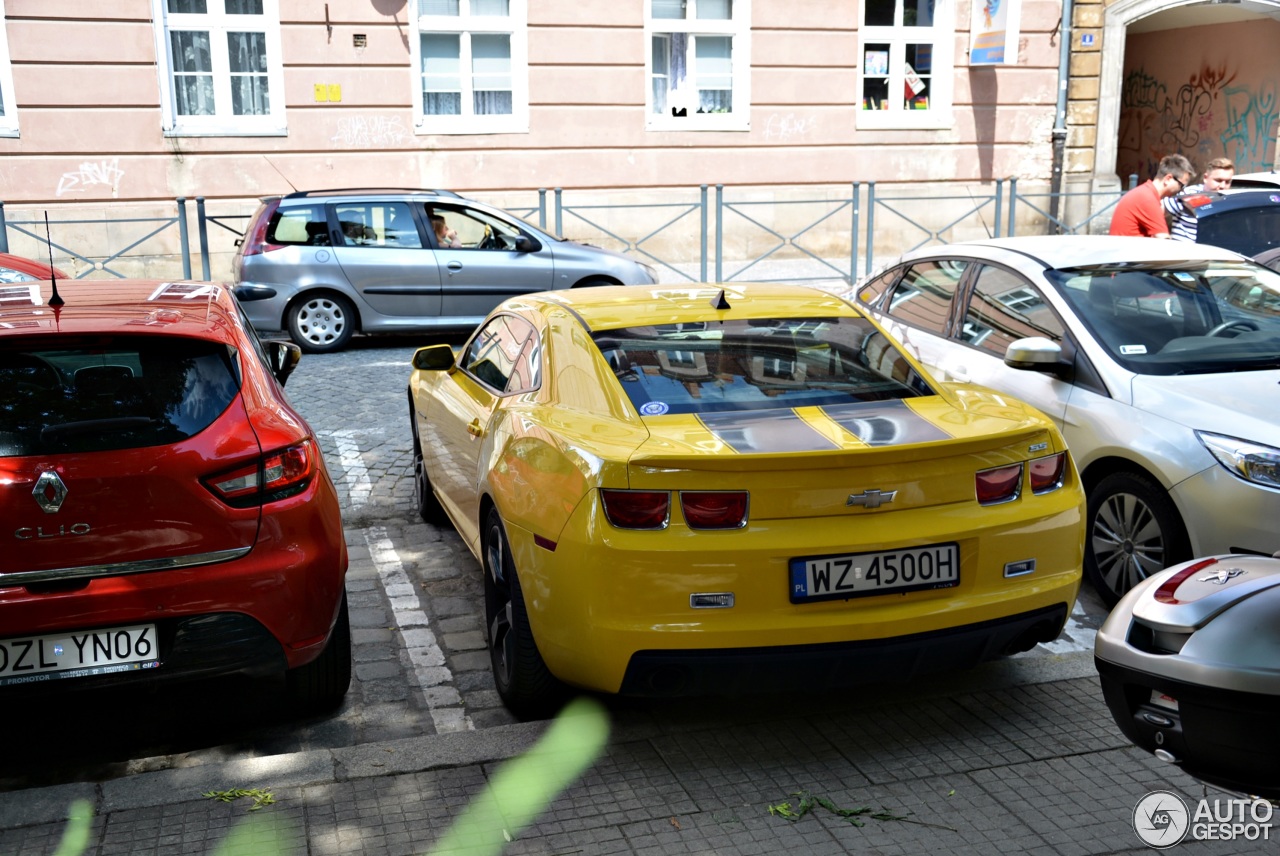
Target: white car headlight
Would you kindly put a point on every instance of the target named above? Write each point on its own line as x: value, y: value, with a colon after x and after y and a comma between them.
x: 1249, y: 461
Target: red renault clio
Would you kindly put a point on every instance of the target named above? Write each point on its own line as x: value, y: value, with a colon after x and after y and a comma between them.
x: 167, y: 513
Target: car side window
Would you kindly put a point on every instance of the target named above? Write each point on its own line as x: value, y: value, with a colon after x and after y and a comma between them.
x: 1003, y: 307
x: 505, y: 355
x: 389, y: 225
x: 302, y: 225
x: 923, y: 297
x: 874, y: 289
x: 475, y: 230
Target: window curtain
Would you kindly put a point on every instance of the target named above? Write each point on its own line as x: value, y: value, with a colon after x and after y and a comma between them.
x: 247, y: 53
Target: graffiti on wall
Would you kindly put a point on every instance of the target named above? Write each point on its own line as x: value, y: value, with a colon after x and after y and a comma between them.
x: 104, y: 172
x: 1211, y: 114
x: 370, y: 132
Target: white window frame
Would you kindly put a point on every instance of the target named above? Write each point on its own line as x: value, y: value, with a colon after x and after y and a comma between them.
x: 738, y: 28
x: 217, y: 23
x: 9, y: 120
x: 942, y: 36
x: 515, y: 25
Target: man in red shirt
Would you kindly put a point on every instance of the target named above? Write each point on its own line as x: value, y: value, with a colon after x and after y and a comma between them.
x: 1139, y: 212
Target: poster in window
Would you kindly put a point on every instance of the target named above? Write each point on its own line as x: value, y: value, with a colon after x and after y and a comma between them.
x: 993, y: 32
x: 876, y: 64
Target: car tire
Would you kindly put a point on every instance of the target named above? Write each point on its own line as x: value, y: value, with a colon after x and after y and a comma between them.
x: 595, y: 281
x: 525, y: 684
x: 1133, y: 531
x: 424, y: 498
x: 321, y: 323
x: 321, y: 685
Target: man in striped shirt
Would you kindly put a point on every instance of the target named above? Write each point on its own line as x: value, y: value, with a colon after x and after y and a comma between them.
x: 1182, y: 223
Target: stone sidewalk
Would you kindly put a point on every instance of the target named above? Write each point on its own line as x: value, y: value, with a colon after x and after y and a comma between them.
x: 970, y: 764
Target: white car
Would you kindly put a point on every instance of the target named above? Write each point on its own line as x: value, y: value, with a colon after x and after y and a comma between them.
x: 1159, y: 359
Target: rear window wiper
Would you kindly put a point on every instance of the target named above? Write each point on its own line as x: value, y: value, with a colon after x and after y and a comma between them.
x: 93, y: 426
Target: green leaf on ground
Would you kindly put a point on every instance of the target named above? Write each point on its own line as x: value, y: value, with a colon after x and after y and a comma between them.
x: 261, y: 798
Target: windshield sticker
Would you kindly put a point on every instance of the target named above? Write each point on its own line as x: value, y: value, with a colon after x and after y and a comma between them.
x: 654, y: 408
x: 885, y: 424
x: 1133, y: 350
x: 765, y: 431
x: 1183, y: 276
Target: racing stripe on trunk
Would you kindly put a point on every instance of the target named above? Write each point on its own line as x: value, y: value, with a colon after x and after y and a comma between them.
x: 765, y: 431
x: 888, y: 423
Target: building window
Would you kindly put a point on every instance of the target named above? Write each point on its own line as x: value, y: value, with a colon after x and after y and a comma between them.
x: 698, y: 64
x: 472, y: 66
x: 8, y: 110
x: 905, y: 63
x: 223, y: 71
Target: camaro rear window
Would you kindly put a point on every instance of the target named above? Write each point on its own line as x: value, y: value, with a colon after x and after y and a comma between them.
x: 757, y: 364
x: 111, y: 394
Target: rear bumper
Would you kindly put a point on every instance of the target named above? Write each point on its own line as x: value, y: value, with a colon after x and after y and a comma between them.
x: 1224, y: 737
x: 270, y: 609
x: 190, y: 648
x: 799, y: 668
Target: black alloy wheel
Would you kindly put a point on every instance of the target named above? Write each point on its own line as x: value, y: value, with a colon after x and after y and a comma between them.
x: 524, y: 683
x: 321, y: 685
x: 424, y: 499
x: 1134, y: 531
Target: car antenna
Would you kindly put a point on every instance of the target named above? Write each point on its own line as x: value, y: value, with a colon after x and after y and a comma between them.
x: 719, y: 301
x: 56, y: 299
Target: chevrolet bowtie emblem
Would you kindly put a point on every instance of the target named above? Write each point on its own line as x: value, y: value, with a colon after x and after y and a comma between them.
x: 871, y: 498
x: 1219, y: 578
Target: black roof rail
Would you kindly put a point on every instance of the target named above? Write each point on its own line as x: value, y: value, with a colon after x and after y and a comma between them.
x: 302, y: 194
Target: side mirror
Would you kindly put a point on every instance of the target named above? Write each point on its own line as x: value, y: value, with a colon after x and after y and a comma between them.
x: 526, y: 244
x: 434, y: 358
x: 284, y: 357
x: 1037, y: 354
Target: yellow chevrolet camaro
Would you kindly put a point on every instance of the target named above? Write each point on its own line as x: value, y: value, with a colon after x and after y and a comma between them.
x: 710, y: 489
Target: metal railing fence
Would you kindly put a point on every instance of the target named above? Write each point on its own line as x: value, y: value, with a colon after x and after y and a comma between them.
x: 744, y: 234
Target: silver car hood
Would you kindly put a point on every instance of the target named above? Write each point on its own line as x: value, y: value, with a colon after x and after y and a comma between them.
x: 1242, y: 404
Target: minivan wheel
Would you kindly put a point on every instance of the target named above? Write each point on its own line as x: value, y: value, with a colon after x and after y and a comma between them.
x: 524, y: 682
x: 321, y: 323
x: 1134, y: 530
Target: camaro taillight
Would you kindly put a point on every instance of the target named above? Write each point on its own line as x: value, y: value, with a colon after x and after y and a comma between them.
x: 1002, y: 484
x: 637, y: 509
x: 720, y: 509
x: 1047, y: 473
x: 272, y: 478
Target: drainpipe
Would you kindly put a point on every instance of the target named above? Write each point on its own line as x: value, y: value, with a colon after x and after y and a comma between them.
x: 1060, y: 117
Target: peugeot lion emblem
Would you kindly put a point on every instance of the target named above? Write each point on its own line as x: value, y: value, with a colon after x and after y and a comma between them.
x: 50, y: 492
x: 871, y: 498
x: 1219, y: 578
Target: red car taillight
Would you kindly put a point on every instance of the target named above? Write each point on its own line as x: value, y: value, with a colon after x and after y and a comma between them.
x: 1047, y: 473
x: 1003, y: 484
x: 725, y: 509
x: 255, y: 241
x: 637, y: 509
x: 272, y: 478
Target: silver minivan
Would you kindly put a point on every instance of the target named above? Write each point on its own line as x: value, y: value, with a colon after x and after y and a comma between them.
x: 324, y: 265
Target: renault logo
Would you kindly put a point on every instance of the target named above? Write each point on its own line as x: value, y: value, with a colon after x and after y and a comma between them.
x: 50, y: 492
x: 871, y: 498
